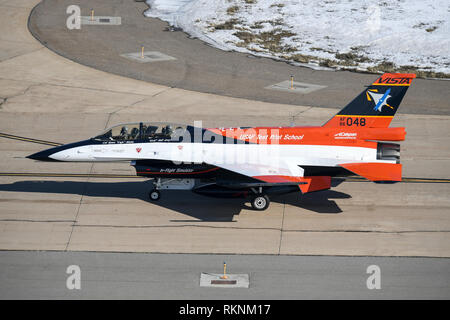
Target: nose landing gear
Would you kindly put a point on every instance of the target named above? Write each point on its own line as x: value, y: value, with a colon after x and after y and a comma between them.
x: 154, y: 195
x: 169, y: 184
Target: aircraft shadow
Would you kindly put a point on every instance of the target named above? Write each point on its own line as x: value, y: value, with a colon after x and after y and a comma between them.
x: 199, y: 207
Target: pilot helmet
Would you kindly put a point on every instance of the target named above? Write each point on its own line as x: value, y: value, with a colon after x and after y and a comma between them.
x: 169, y: 129
x: 124, y: 130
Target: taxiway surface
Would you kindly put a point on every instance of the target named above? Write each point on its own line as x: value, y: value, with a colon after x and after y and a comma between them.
x: 48, y: 97
x: 42, y: 275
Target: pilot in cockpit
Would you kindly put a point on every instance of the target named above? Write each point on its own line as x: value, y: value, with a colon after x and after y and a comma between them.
x: 124, y: 132
x: 167, y: 131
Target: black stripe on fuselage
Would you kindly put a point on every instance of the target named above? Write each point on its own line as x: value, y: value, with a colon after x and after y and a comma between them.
x: 325, y: 171
x: 169, y: 169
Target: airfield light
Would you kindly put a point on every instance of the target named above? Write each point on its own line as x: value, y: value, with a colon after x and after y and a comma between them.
x: 224, y: 271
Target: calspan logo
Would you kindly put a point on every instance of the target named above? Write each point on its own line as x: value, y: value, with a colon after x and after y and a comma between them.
x: 345, y: 135
x: 380, y: 99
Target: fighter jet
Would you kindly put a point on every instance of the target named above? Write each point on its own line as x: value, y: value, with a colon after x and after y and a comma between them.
x: 257, y: 162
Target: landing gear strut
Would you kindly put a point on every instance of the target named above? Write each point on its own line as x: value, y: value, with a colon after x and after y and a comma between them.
x: 260, y: 201
x: 154, y: 194
x: 169, y: 184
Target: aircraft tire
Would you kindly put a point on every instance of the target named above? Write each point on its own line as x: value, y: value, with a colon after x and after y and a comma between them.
x: 260, y: 202
x: 154, y: 195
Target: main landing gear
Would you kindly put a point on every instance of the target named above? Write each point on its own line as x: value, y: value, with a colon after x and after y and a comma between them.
x: 259, y: 201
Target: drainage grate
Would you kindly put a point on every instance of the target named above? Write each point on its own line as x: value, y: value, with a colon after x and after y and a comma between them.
x: 223, y: 281
x: 101, y: 20
x: 233, y: 281
x: 297, y: 87
x: 152, y: 56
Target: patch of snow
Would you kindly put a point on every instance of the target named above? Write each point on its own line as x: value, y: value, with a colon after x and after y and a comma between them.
x: 404, y: 32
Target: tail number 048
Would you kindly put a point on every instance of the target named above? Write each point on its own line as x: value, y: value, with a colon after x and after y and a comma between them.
x: 349, y: 122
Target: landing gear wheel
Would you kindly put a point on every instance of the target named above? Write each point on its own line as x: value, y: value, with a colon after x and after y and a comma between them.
x: 154, y: 195
x: 260, y: 202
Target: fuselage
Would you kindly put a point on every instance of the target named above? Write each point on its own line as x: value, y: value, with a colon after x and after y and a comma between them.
x: 199, y: 152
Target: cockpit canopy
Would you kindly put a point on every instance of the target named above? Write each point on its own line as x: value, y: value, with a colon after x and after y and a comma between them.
x: 144, y: 131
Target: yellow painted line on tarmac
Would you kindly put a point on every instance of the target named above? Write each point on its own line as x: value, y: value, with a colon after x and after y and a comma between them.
x: 405, y: 180
x: 126, y: 176
x: 426, y: 180
x: 10, y: 136
x: 69, y: 175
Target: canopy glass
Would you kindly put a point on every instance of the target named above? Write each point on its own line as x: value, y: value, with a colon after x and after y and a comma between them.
x: 144, y: 131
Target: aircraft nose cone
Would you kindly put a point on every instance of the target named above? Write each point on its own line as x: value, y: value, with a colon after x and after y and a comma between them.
x: 54, y: 154
x: 41, y: 156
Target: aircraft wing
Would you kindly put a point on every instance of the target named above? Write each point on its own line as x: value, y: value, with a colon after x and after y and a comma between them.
x: 257, y: 169
x: 261, y: 174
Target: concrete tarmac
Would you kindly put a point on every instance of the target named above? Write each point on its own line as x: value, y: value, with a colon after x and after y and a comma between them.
x: 42, y: 275
x: 48, y: 97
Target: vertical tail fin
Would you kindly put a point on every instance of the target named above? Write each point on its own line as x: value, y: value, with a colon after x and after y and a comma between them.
x: 375, y: 106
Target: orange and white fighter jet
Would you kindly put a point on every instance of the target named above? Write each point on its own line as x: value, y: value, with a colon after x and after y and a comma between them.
x: 257, y: 162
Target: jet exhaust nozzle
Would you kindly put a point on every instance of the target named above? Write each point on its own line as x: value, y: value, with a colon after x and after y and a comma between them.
x: 388, y: 151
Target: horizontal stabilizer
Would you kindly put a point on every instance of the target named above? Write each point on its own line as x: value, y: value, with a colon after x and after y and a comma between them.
x: 375, y: 171
x: 315, y: 183
x: 306, y: 184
